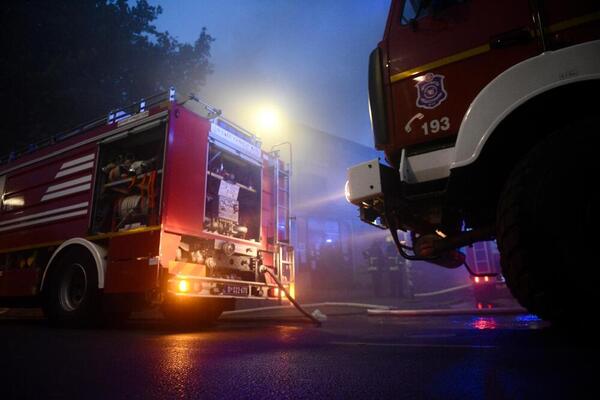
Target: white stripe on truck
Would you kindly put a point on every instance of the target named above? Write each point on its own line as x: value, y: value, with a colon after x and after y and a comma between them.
x: 77, y: 168
x: 76, y: 161
x: 45, y: 213
x: 83, y: 179
x: 44, y: 220
x: 66, y: 192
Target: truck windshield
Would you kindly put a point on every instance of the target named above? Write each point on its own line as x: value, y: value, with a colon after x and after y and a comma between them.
x: 415, y: 9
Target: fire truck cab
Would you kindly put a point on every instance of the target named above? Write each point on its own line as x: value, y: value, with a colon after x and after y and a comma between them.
x: 486, y: 114
x: 164, y: 203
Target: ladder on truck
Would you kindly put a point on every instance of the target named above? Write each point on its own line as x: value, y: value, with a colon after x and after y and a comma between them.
x: 484, y: 258
x: 481, y: 257
x: 284, y: 251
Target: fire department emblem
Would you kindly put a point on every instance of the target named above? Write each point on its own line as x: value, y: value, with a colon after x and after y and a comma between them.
x: 430, y: 91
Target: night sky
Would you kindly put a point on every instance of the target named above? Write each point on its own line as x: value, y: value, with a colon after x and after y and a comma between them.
x: 307, y: 58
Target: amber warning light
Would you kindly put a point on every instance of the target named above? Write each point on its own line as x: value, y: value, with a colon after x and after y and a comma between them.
x: 183, y: 286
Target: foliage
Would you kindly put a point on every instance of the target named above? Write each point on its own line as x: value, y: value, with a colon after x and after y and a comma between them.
x: 68, y: 61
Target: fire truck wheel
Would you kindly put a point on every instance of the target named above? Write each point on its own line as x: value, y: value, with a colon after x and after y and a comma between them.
x: 72, y: 295
x: 544, y: 226
x: 192, y: 312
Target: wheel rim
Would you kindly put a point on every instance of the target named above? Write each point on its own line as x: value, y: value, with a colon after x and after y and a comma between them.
x: 73, y: 287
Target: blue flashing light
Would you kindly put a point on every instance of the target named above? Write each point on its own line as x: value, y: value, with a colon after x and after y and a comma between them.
x: 527, y: 318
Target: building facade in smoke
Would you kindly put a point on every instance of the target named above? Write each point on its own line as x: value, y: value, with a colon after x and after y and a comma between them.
x: 328, y: 236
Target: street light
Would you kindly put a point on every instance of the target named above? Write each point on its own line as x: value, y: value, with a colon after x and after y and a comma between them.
x: 268, y: 118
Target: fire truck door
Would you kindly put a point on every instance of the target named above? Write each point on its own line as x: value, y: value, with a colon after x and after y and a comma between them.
x: 439, y: 58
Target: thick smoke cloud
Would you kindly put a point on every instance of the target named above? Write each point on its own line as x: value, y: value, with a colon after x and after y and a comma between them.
x: 309, y: 57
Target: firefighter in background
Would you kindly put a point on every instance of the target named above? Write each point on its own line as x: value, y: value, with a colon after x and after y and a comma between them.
x: 399, y: 271
x: 375, y: 262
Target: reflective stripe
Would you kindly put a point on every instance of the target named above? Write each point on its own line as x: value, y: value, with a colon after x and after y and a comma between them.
x: 66, y: 192
x: 76, y: 161
x: 74, y: 182
x: 49, y: 219
x: 442, y: 61
x: 559, y: 26
x: 77, y: 168
x: 44, y: 213
x: 570, y: 23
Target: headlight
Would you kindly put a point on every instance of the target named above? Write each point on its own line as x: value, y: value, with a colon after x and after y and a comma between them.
x: 347, y: 191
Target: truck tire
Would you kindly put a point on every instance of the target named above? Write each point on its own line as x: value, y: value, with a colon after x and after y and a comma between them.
x: 194, y: 312
x: 72, y: 295
x: 544, y: 226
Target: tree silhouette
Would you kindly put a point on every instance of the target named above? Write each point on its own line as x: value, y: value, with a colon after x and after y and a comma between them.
x: 67, y: 61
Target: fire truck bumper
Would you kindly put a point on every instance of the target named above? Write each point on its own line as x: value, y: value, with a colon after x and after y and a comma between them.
x: 197, y: 286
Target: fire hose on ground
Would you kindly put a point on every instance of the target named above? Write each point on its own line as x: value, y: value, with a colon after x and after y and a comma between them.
x: 377, y: 309
x: 265, y: 270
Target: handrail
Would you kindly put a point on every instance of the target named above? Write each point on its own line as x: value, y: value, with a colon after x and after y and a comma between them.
x: 113, y: 116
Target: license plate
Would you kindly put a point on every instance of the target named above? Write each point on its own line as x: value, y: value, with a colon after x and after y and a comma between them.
x: 233, y: 290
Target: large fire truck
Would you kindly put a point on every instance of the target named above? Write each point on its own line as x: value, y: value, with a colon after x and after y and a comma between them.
x: 486, y: 112
x: 164, y: 203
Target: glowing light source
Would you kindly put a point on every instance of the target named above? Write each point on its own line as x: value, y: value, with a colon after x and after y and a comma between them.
x: 268, y: 119
x: 347, y: 191
x: 183, y: 286
x: 292, y: 290
x: 274, y: 292
x: 15, y: 202
x: 484, y: 323
x: 476, y: 279
x: 527, y: 318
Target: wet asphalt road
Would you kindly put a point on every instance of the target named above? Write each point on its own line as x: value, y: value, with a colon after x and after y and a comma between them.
x: 352, y: 356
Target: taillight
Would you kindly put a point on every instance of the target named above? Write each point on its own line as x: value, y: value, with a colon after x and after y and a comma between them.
x: 183, y: 286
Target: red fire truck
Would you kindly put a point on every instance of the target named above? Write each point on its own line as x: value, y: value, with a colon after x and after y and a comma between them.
x: 484, y: 260
x: 164, y: 203
x: 486, y: 111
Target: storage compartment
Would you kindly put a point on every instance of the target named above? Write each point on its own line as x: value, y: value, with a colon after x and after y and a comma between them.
x: 232, y: 195
x: 128, y: 183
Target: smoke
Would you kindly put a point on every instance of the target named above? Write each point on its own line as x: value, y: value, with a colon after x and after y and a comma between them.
x: 309, y: 57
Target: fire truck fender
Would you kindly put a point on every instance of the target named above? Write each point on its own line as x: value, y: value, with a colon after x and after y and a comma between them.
x: 97, y: 252
x: 515, y: 86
